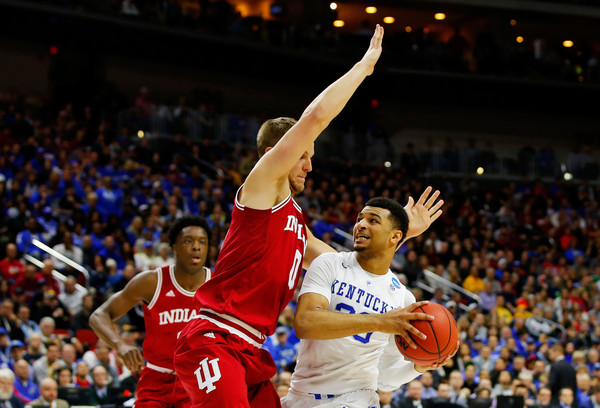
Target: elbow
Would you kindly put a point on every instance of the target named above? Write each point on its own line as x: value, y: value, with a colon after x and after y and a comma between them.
x: 317, y: 116
x: 94, y: 319
x: 302, y: 328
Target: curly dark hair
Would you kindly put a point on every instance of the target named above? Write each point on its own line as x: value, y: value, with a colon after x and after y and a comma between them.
x: 189, y: 220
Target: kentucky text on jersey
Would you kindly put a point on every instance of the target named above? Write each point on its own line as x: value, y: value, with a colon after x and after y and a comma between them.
x: 294, y: 226
x: 177, y: 316
x: 360, y: 296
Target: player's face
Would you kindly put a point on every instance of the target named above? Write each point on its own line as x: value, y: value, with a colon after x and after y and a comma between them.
x: 297, y: 176
x: 372, y: 230
x: 191, y: 248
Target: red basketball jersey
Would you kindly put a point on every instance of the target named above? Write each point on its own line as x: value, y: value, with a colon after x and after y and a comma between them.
x: 258, y: 267
x: 167, y: 313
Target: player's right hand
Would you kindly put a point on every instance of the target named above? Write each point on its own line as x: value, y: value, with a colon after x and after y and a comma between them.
x: 132, y: 357
x: 399, y: 320
x: 372, y: 55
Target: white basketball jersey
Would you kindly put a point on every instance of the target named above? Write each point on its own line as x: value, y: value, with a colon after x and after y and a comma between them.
x: 352, y: 363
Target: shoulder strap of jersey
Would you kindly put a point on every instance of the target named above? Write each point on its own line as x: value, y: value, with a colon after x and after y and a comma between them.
x: 160, y: 274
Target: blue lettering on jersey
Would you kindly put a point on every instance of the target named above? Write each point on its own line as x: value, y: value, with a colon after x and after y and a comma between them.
x: 360, y: 296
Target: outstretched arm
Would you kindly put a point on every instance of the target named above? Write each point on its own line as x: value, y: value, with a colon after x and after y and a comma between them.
x: 141, y: 287
x: 264, y: 183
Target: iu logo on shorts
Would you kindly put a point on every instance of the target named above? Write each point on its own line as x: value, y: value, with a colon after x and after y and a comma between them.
x: 205, y: 378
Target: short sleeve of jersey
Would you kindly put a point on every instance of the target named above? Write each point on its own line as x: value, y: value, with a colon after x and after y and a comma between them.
x: 409, y: 298
x: 320, y: 275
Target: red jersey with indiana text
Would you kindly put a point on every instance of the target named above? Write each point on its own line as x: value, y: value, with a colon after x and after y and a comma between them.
x: 167, y: 313
x: 258, y: 266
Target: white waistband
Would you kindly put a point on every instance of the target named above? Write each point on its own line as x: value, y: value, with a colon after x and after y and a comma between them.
x: 234, y: 326
x: 160, y: 369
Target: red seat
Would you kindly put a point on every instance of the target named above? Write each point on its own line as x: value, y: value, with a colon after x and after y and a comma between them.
x: 87, y: 336
x: 62, y: 333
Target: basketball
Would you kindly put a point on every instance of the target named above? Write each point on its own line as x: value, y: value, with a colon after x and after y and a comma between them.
x: 441, y: 332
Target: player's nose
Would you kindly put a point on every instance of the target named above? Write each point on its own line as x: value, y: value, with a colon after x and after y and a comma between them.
x: 308, y: 165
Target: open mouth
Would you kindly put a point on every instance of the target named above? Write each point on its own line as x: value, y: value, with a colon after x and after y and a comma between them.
x: 360, y: 238
x: 196, y: 259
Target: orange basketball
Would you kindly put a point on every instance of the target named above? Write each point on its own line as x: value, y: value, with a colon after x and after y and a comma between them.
x: 441, y: 332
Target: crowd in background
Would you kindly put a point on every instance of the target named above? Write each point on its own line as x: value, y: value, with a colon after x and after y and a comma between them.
x: 105, y: 198
x: 486, y: 52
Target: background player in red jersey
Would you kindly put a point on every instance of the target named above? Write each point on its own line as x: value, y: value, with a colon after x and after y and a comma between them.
x: 168, y: 296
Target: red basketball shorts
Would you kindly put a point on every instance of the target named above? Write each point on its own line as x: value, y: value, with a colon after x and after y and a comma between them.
x: 160, y: 390
x: 219, y: 369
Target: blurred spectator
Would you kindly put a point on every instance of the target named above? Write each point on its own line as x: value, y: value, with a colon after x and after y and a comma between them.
x: 164, y: 255
x: 54, y: 308
x: 69, y: 250
x: 47, y: 326
x: 49, y: 395
x: 584, y: 388
x: 45, y: 366
x: 414, y: 393
x: 68, y: 354
x: 458, y: 394
x: 82, y: 372
x: 27, y: 325
x: 595, y: 398
x: 35, y: 348
x: 429, y: 390
x: 24, y: 386
x: 9, y: 321
x: 7, y: 398
x: 566, y: 398
x: 30, y: 282
x: 99, y: 388
x: 71, y: 298
x: 281, y: 350
x: 544, y: 396
x: 81, y: 319
x: 145, y: 260
x: 65, y: 377
x: 110, y: 250
x: 562, y: 374
x: 11, y: 267
x: 49, y: 280
x: 102, y: 355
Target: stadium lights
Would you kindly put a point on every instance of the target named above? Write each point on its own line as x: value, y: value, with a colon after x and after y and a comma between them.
x: 339, y: 23
x: 389, y: 20
x: 439, y: 16
x: 333, y: 6
x: 371, y: 10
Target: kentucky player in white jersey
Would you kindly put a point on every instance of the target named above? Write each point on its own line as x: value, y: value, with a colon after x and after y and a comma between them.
x: 348, y: 313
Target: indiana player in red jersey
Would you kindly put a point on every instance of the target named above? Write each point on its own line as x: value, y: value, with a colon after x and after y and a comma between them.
x: 219, y: 357
x: 169, y: 303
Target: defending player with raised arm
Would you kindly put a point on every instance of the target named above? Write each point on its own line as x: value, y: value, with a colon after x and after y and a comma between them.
x: 169, y: 303
x: 219, y: 356
x: 349, y: 308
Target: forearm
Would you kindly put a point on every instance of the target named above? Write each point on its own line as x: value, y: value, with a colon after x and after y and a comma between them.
x: 325, y: 107
x: 101, y: 323
x: 323, y: 324
x: 315, y: 248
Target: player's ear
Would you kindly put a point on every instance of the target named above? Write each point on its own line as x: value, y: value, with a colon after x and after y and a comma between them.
x: 396, y: 238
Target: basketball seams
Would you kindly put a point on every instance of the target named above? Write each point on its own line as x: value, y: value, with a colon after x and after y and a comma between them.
x: 441, y: 351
